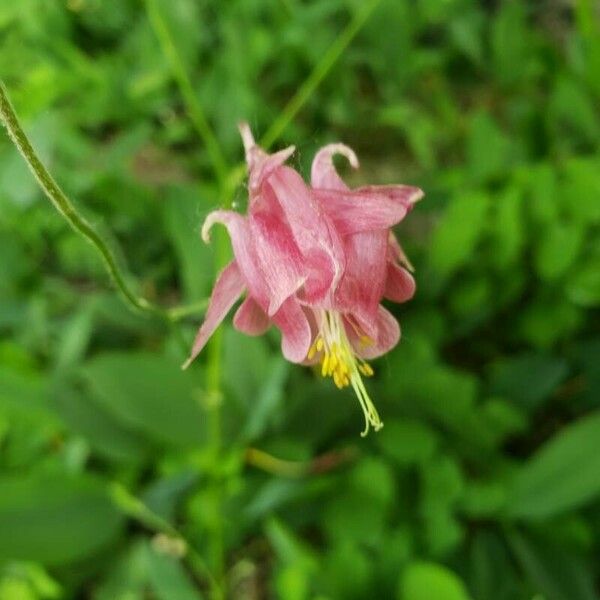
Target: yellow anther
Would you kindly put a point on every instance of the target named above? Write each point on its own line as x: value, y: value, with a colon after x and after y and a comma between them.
x: 366, y: 369
x: 325, y: 365
x: 336, y: 379
x: 312, y: 351
x: 333, y: 362
x: 320, y: 344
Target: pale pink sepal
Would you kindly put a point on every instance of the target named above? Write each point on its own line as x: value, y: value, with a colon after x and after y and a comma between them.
x: 295, y: 330
x: 323, y: 173
x: 399, y: 284
x: 250, y: 318
x: 227, y: 290
x: 387, y: 336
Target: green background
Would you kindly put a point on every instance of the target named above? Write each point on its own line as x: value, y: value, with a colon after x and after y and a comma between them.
x: 484, y: 483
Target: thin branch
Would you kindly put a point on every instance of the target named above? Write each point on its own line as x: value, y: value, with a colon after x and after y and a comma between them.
x: 134, y: 508
x: 295, y: 469
x: 319, y: 73
x: 63, y: 205
x: 192, y: 105
x: 66, y: 208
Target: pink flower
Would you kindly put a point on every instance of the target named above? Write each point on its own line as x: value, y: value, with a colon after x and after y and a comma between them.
x: 315, y: 262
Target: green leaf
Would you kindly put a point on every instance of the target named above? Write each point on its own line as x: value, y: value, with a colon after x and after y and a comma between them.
x: 407, y: 441
x: 583, y: 288
x: 149, y: 393
x: 527, y: 379
x: 456, y: 237
x: 554, y: 571
x: 55, y: 519
x: 105, y: 434
x: 182, y: 212
x: 488, y: 149
x: 561, y: 476
x: 508, y: 234
x: 557, y: 249
x: 426, y: 581
x: 492, y: 574
x: 167, y: 577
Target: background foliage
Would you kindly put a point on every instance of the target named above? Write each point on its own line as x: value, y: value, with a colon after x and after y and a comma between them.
x: 484, y: 482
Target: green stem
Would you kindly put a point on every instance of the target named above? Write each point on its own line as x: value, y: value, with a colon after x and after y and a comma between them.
x: 213, y: 383
x: 66, y: 208
x: 193, y: 107
x: 297, y: 469
x: 63, y: 205
x: 134, y: 508
x: 318, y: 74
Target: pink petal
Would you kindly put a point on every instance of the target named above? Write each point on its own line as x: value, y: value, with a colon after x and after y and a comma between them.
x: 396, y: 253
x: 260, y: 163
x: 399, y: 284
x: 313, y: 232
x: 361, y: 287
x: 243, y: 249
x: 365, y: 209
x: 388, y: 335
x: 228, y: 287
x: 295, y: 330
x: 323, y: 172
x: 280, y: 261
x: 250, y: 318
x: 405, y: 194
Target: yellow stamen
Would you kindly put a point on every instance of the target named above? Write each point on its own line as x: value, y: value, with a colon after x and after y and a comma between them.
x: 339, y: 362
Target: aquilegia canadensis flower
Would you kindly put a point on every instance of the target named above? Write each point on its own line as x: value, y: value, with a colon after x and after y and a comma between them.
x: 316, y: 262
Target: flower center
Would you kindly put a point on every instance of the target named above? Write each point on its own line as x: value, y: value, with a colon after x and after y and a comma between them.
x: 339, y: 361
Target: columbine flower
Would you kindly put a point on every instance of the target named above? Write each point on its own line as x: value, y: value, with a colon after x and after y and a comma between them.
x: 315, y: 262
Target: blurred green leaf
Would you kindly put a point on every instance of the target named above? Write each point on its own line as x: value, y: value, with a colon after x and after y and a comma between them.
x: 408, y: 441
x: 168, y: 579
x: 561, y: 475
x: 55, y: 519
x: 558, y: 249
x: 150, y: 394
x: 528, y: 379
x: 554, y: 572
x: 456, y: 237
x: 492, y: 574
x: 424, y: 581
x: 488, y: 149
x: 106, y: 434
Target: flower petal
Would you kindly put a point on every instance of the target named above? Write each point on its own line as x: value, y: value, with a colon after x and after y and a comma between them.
x: 295, y: 330
x: 228, y: 287
x: 362, y: 284
x: 280, y: 261
x: 260, y: 163
x: 365, y: 209
x: 243, y: 249
x: 323, y: 173
x: 399, y: 283
x: 388, y: 335
x: 313, y: 232
x: 405, y: 194
x: 250, y: 318
x: 396, y: 253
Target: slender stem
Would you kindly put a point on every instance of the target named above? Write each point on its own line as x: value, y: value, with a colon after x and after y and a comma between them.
x: 134, y: 508
x: 296, y: 469
x: 192, y: 105
x: 177, y: 313
x: 319, y: 72
x: 63, y: 205
x: 213, y: 381
x: 78, y: 222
